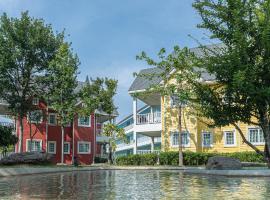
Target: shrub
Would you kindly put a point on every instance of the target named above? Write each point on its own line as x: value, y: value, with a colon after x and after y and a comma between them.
x: 101, y: 160
x: 190, y: 158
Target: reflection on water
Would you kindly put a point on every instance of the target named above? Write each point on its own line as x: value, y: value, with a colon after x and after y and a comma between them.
x: 132, y: 185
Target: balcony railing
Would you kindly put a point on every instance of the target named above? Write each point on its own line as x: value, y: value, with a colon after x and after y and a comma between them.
x: 149, y: 118
x: 147, y: 151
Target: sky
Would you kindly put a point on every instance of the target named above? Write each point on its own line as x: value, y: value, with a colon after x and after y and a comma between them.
x: 108, y: 34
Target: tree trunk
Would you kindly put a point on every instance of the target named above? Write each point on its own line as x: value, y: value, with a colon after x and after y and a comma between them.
x: 31, y: 137
x: 62, y: 144
x: 21, y: 135
x: 180, y: 137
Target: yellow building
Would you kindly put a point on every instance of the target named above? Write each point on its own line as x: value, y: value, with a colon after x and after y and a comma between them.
x: 196, y: 135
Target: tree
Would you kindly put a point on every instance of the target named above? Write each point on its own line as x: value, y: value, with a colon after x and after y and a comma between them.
x: 241, y: 92
x: 114, y: 133
x: 178, y: 76
x: 98, y: 95
x: 27, y: 46
x: 7, y: 138
x: 62, y: 82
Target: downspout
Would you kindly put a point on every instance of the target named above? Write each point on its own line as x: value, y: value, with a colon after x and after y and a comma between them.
x: 73, y: 146
x: 46, y: 132
x: 94, y: 151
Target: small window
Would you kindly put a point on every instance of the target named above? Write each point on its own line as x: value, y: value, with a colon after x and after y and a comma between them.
x: 52, y: 119
x: 35, y: 101
x: 175, y: 101
x: 175, y: 139
x: 230, y: 139
x: 52, y: 147
x: 84, y: 121
x: 35, y: 116
x: 255, y: 136
x: 84, y: 148
x: 35, y: 146
x: 207, y: 139
x: 66, y: 147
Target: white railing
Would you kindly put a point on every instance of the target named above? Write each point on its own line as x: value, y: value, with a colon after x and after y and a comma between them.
x: 7, y: 154
x: 149, y: 118
x: 147, y: 151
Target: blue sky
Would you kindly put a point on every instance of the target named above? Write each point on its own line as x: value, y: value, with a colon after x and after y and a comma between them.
x: 108, y: 34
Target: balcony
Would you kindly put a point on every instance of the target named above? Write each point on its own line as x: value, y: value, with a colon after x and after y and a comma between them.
x: 149, y: 118
x: 149, y: 124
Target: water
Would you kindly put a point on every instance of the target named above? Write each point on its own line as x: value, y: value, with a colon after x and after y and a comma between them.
x: 139, y: 184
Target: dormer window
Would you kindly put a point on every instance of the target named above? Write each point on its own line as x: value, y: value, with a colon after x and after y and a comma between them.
x: 35, y: 101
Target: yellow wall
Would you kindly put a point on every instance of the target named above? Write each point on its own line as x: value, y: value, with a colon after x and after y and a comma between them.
x: 195, y: 127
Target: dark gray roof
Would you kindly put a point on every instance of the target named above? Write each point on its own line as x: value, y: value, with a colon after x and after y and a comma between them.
x: 141, y: 83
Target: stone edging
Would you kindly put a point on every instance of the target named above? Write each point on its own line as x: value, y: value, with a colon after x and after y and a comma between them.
x: 5, y: 172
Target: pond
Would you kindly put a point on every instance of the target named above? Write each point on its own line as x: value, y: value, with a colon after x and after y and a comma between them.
x: 124, y: 184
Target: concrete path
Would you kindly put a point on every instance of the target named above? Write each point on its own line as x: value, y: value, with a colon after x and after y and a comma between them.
x: 15, y: 171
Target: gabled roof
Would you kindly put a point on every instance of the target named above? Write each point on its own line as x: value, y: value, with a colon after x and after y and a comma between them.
x: 143, y: 83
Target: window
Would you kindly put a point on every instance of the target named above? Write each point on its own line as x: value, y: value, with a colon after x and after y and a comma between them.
x: 66, y: 147
x: 175, y: 101
x: 207, y: 139
x: 84, y: 147
x: 36, y: 145
x: 175, y: 139
x: 52, y: 119
x: 35, y: 116
x: 35, y: 101
x: 255, y: 136
x: 230, y: 139
x: 84, y: 121
x: 52, y: 147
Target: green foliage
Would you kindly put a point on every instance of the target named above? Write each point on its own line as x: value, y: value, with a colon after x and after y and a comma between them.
x: 190, y: 158
x: 7, y: 138
x: 61, y: 83
x: 101, y: 160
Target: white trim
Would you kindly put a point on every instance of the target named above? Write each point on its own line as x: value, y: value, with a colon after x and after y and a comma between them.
x: 53, y: 142
x: 211, y: 139
x: 68, y: 148
x: 34, y: 140
x: 234, y: 138
x: 55, y: 115
x: 248, y: 134
x: 83, y: 142
x: 82, y: 125
x: 41, y: 118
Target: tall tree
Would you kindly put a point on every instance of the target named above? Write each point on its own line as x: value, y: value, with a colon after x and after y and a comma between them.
x: 27, y: 46
x: 62, y: 82
x: 241, y: 92
x: 178, y: 78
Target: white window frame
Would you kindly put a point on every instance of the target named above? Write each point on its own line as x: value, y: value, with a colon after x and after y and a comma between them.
x: 83, y: 142
x: 34, y: 140
x: 41, y: 119
x: 225, y: 137
x: 172, y: 133
x: 54, y: 151
x: 211, y: 139
x: 35, y: 101
x: 68, y: 143
x: 55, y: 115
x: 254, y: 143
x: 83, y: 125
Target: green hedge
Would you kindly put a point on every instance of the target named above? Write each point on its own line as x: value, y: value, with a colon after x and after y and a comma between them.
x: 190, y: 158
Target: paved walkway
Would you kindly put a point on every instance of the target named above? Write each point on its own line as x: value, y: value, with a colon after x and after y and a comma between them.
x: 15, y: 171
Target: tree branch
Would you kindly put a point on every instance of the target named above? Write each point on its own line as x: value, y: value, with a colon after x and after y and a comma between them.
x: 246, y: 141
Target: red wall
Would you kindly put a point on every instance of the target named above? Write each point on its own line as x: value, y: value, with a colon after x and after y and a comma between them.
x: 85, y: 134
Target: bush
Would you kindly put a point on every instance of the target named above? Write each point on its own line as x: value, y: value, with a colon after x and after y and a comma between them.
x: 190, y: 158
x: 101, y: 160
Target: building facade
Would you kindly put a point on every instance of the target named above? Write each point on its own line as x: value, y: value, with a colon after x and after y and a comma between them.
x: 163, y: 122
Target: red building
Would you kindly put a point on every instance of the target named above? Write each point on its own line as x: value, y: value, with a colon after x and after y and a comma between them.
x: 79, y: 137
